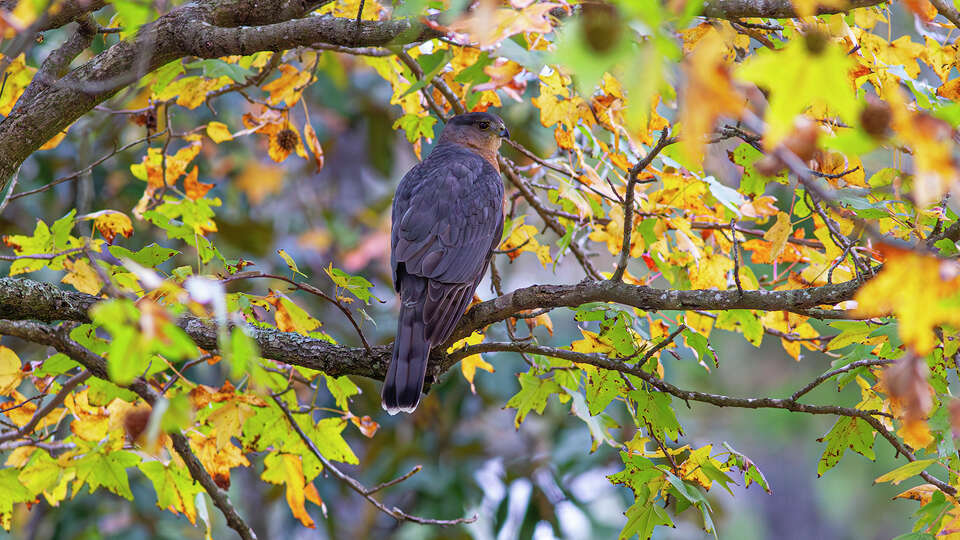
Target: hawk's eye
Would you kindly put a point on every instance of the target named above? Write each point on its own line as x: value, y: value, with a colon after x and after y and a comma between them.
x: 484, y: 125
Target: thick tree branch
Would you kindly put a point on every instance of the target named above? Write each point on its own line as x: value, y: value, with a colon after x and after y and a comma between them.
x: 205, y: 29
x: 777, y: 9
x: 60, y: 13
x: 27, y: 299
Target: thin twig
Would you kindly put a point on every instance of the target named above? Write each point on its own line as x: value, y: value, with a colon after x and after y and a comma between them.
x: 304, y: 287
x: 849, y: 367
x: 355, y: 485
x: 633, y: 176
x: 87, y: 169
x: 47, y: 407
x: 736, y: 255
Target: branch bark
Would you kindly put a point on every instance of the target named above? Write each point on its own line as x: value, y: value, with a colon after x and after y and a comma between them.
x: 206, y: 29
x: 28, y: 299
x: 776, y: 9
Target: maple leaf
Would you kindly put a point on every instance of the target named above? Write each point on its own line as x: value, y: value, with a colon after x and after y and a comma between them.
x: 796, y: 77
x: 193, y: 187
x: 110, y: 223
x: 10, y: 372
x: 176, y: 490
x: 532, y: 396
x: 470, y: 364
x: 922, y: 291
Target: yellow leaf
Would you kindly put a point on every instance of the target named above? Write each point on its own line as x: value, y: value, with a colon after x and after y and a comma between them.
x: 922, y: 291
x: 778, y: 234
x: 288, y: 86
x: 217, y: 462
x: 295, y: 493
x: 110, y: 223
x: 916, y: 433
x: 218, y: 132
x: 10, y: 373
x: 710, y: 91
x: 228, y: 420
x: 470, y: 364
x: 90, y: 422
x: 590, y: 344
x: 82, y: 276
x: 313, y: 144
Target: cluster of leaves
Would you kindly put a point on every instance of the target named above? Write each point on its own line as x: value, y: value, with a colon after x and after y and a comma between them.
x: 804, y: 153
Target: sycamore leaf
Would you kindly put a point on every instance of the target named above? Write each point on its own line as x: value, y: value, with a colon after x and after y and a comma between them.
x: 778, y: 234
x: 10, y: 372
x: 905, y: 471
x: 193, y: 187
x: 922, y: 291
x: 106, y: 468
x: 176, y: 490
x: 470, y: 364
x: 796, y: 77
x: 847, y: 432
x: 532, y: 396
x: 291, y: 264
x: 82, y: 276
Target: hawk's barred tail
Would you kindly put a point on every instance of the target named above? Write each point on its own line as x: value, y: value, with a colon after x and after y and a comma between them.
x: 404, y: 381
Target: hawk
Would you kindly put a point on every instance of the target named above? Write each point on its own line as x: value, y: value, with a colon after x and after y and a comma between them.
x: 447, y: 220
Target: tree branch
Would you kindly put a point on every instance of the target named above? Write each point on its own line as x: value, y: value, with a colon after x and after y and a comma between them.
x: 205, y: 29
x: 59, y: 339
x: 777, y: 9
x: 27, y: 299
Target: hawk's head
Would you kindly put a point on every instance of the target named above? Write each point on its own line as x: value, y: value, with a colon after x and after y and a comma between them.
x: 481, y: 131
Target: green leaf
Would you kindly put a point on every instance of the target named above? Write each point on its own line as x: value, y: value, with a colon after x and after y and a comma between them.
x: 701, y: 345
x: 847, y: 432
x: 642, y: 518
x: 106, y: 469
x: 291, y: 264
x: 416, y: 126
x: 13, y: 492
x: 174, y: 486
x: 132, y: 14
x: 850, y: 332
x: 637, y: 474
x: 602, y: 387
x: 342, y: 388
x: 357, y: 285
x: 56, y: 365
x: 327, y: 435
x: 744, y: 321
x: 905, y: 471
x: 655, y: 409
x: 751, y: 474
x: 214, y: 69
x: 163, y: 76
x: 150, y: 256
x: 532, y: 396
x: 431, y: 64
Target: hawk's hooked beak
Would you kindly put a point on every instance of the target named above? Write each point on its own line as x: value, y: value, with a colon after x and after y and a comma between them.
x: 504, y: 133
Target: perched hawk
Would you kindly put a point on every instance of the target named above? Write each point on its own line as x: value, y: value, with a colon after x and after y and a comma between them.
x: 447, y: 220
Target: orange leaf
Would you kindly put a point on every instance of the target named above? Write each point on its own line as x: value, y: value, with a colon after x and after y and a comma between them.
x: 194, y: 188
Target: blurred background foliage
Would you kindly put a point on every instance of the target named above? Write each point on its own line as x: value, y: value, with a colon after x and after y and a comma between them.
x: 538, y: 481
